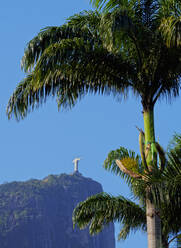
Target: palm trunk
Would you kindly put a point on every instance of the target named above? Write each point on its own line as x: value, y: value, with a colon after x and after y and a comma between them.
x: 153, y: 226
x: 152, y: 217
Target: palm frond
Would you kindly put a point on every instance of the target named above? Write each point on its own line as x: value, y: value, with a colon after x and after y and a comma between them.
x: 171, y: 30
x: 36, y: 47
x: 21, y: 98
x: 175, y: 143
x: 98, y: 3
x: 65, y: 70
x: 170, y: 22
x: 116, y: 28
x: 120, y: 154
x: 100, y: 210
x: 124, y: 232
x: 83, y: 25
x: 85, y: 20
x: 110, y: 5
x: 172, y: 172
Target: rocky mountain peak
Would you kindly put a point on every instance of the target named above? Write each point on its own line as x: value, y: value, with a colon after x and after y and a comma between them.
x: 38, y: 213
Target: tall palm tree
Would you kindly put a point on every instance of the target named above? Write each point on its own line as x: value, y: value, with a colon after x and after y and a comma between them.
x: 99, y: 210
x: 124, y: 48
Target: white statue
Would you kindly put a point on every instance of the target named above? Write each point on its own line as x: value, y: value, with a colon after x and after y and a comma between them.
x: 76, y: 161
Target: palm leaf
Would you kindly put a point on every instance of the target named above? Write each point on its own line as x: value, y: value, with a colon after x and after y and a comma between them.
x: 112, y: 4
x: 100, y: 210
x: 83, y: 25
x: 170, y: 24
x: 65, y: 70
x: 120, y: 154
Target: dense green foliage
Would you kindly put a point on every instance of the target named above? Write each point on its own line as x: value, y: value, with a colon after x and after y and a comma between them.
x: 106, y: 53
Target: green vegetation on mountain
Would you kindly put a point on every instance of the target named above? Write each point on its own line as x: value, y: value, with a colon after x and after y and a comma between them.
x: 38, y: 213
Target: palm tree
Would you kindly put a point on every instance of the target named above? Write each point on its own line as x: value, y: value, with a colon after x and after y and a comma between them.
x: 99, y: 210
x: 124, y: 48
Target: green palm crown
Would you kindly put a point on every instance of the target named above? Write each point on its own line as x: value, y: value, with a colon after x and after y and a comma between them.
x: 125, y: 46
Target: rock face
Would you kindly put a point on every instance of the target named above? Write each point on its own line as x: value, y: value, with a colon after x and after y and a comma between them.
x: 38, y: 214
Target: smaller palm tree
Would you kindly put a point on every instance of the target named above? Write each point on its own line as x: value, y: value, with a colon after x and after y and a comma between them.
x: 165, y: 191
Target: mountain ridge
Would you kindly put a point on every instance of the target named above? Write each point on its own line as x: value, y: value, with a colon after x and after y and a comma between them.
x: 38, y: 213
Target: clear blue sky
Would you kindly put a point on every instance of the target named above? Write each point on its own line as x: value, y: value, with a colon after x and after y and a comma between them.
x: 47, y: 141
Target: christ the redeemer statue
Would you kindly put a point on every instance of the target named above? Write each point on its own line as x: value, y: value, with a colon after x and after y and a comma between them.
x: 76, y: 161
